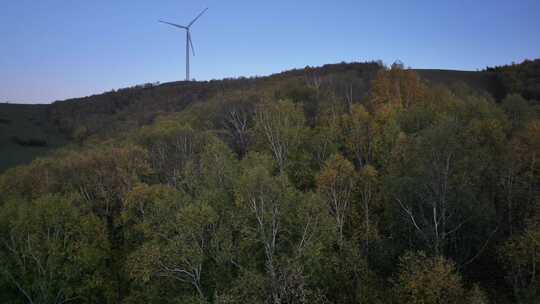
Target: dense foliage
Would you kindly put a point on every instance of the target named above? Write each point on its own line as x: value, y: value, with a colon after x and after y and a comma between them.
x: 321, y: 191
x: 523, y: 78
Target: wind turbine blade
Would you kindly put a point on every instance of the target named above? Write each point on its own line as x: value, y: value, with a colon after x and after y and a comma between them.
x: 193, y: 21
x: 191, y: 44
x: 174, y: 24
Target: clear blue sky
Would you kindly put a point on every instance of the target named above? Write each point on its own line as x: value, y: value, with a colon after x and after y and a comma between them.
x: 51, y: 50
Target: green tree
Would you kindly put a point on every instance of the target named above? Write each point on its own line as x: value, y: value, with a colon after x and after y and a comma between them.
x: 287, y: 228
x: 517, y: 109
x: 522, y: 256
x: 322, y: 138
x: 266, y: 200
x: 477, y: 296
x: 436, y: 181
x: 171, y: 144
x: 281, y: 125
x: 177, y: 235
x: 368, y: 191
x: 51, y: 252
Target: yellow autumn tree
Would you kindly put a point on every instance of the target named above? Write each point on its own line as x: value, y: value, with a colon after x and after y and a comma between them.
x: 427, y: 280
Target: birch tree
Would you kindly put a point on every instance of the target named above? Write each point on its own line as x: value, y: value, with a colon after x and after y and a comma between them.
x: 265, y: 199
x: 336, y: 183
x: 282, y: 126
x: 52, y: 253
x: 177, y: 235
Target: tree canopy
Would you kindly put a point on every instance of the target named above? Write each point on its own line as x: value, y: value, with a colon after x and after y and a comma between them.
x: 329, y: 189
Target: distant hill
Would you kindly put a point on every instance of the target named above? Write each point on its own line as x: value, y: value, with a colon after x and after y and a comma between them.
x: 28, y: 131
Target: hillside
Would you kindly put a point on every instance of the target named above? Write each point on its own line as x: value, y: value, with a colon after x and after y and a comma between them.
x: 348, y: 183
x: 125, y: 109
x: 26, y: 132
x: 478, y: 80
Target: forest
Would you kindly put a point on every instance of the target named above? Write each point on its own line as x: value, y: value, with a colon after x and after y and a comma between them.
x: 351, y: 184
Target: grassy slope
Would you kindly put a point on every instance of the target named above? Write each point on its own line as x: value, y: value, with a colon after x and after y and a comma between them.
x: 26, y: 122
x: 36, y: 121
x: 482, y: 81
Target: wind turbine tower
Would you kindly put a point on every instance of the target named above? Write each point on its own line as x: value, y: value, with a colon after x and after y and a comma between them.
x: 189, y: 43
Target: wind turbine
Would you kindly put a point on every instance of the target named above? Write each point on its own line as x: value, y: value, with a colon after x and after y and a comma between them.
x: 189, y: 43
